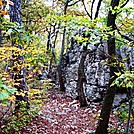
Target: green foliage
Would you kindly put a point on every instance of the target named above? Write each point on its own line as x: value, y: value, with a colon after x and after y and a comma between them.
x: 33, y: 15
x: 35, y: 56
x: 123, y: 114
x: 112, y: 130
x: 6, y: 93
x: 38, y: 20
x: 124, y: 79
x: 17, y: 120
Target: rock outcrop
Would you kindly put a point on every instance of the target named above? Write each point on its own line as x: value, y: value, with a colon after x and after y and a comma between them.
x: 96, y: 70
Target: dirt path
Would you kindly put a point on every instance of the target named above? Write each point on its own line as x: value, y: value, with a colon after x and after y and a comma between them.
x: 62, y: 115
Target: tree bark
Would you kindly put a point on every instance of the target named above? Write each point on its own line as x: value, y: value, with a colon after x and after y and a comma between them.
x: 18, y: 74
x: 1, y: 20
x: 109, y: 97
x: 59, y: 67
x: 48, y: 40
x: 0, y: 36
x: 82, y: 79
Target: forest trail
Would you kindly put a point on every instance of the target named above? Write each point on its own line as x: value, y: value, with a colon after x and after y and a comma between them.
x: 62, y: 115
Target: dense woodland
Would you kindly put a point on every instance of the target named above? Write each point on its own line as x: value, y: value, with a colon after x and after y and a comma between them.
x: 35, y: 36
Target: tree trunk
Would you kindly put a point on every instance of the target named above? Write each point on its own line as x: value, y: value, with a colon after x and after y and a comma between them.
x: 49, y: 40
x: 98, y: 8
x: 109, y: 97
x: 1, y: 20
x: 0, y: 37
x: 53, y: 58
x: 82, y: 79
x: 18, y: 74
x: 59, y: 67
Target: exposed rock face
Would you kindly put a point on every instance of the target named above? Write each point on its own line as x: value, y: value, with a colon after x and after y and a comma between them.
x: 96, y: 71
x: 128, y: 53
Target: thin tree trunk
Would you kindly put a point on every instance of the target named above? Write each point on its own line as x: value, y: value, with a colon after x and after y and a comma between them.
x: 53, y: 52
x: 82, y: 78
x: 48, y: 40
x: 1, y: 20
x: 109, y: 97
x: 98, y: 8
x: 53, y: 48
x: 92, y: 5
x: 130, y: 110
x: 59, y: 67
x: 0, y: 36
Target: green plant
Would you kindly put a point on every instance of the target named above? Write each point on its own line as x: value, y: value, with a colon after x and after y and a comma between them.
x: 124, y: 79
x: 123, y: 114
x: 112, y: 130
x: 6, y: 93
x: 14, y: 122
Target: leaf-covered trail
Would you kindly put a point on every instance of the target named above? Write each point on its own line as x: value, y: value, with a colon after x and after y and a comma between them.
x: 62, y: 115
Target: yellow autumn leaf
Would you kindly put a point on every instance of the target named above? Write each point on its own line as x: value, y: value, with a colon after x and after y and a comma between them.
x: 5, y: 73
x: 3, y: 78
x: 12, y: 98
x: 1, y: 3
x: 39, y: 72
x: 96, y: 115
x: 3, y: 90
x: 16, y: 84
x: 34, y: 91
x: 121, y: 64
x: 30, y: 76
x: 131, y: 44
x: 117, y: 73
x: 1, y: 104
x: 4, y: 12
x: 29, y: 94
x: 100, y: 119
x: 34, y: 70
x: 20, y: 94
x: 132, y: 119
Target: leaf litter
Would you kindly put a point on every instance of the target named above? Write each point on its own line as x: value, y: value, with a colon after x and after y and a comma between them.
x: 63, y: 115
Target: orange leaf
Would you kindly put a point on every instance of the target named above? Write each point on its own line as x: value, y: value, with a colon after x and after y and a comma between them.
x: 4, y: 12
x: 1, y: 3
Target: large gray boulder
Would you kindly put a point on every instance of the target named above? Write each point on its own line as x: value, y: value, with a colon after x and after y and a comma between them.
x: 96, y: 70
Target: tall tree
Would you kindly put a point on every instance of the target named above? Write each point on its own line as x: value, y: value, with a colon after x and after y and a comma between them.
x: 18, y: 58
x: 0, y: 32
x: 109, y: 97
x: 59, y: 68
x: 2, y: 13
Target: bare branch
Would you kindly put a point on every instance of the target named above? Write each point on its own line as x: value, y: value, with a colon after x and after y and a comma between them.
x: 124, y: 4
x: 86, y: 9
x: 98, y: 8
x: 124, y: 36
x: 92, y: 9
x: 74, y: 3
